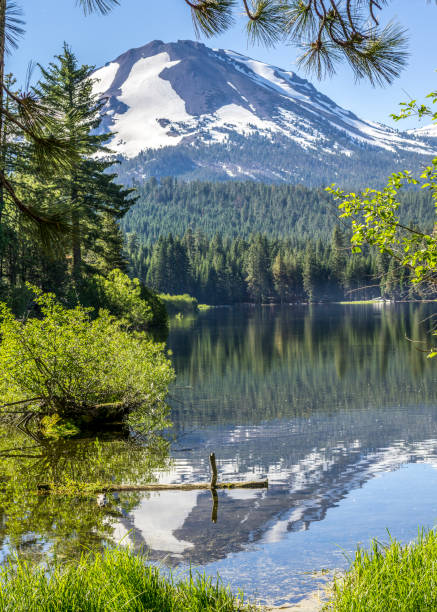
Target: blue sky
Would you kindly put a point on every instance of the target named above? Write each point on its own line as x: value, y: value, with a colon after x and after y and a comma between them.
x: 98, y: 39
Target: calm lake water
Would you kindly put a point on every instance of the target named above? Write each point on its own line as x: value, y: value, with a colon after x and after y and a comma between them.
x: 331, y: 403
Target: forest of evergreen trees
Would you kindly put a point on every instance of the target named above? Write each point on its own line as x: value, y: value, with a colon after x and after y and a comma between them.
x: 60, y: 232
x: 224, y: 270
x: 239, y: 209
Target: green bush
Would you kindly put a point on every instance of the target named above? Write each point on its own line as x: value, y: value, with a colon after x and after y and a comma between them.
x: 176, y: 304
x: 115, y: 581
x: 127, y: 299
x: 160, y: 315
x: 391, y: 578
x: 67, y: 364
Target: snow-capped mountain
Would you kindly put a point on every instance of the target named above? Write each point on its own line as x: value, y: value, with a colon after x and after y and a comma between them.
x: 183, y: 98
x: 426, y: 131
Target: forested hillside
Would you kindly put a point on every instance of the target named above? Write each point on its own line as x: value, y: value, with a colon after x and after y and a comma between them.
x: 239, y: 209
x: 266, y: 270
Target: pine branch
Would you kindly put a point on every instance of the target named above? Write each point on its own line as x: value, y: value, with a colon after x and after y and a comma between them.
x: 100, y: 6
x: 266, y: 22
x: 13, y: 25
x: 211, y: 17
x: 29, y: 212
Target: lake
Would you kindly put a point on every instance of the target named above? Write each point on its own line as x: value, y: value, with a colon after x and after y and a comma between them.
x: 335, y: 404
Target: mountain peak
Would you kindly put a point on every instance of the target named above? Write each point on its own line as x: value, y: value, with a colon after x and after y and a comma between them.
x: 185, y: 93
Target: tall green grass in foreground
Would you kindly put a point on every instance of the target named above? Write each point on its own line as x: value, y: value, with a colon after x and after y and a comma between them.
x: 115, y: 581
x: 392, y: 578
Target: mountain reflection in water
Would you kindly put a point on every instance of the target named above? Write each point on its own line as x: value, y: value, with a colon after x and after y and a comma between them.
x: 319, y: 400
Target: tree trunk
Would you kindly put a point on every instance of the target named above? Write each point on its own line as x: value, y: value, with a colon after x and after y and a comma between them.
x: 76, y: 237
x: 2, y: 57
x: 2, y: 78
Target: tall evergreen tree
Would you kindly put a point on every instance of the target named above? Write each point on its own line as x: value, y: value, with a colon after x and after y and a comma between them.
x: 309, y: 272
x: 66, y: 89
x: 280, y: 277
x: 337, y: 260
x: 258, y: 269
x: 158, y: 273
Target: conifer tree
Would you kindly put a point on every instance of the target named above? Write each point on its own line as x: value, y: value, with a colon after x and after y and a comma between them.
x: 109, y: 246
x: 381, y: 267
x: 158, y: 273
x: 258, y: 269
x: 31, y: 122
x: 337, y: 260
x: 280, y: 276
x: 309, y: 272
x: 66, y: 88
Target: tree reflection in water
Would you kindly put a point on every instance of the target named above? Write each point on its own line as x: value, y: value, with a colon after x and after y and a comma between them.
x: 33, y: 524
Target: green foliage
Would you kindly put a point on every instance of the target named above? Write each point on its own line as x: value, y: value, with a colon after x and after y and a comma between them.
x: 123, y: 298
x: 26, y: 124
x: 89, y: 192
x: 66, y: 364
x: 240, y: 209
x: 392, y: 577
x: 183, y: 304
x: 53, y: 426
x: 376, y: 220
x: 258, y: 270
x: 68, y: 519
x: 79, y: 267
x: 225, y: 271
x: 110, y: 582
x: 160, y: 315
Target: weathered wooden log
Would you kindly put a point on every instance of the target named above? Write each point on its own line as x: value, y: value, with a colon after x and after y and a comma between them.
x: 213, y: 471
x: 188, y: 486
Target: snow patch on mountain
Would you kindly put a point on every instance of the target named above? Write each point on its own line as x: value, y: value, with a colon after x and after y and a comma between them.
x: 163, y: 95
x: 104, y: 78
x: 148, y: 97
x: 426, y: 131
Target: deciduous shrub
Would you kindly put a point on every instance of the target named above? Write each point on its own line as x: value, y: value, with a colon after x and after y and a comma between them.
x: 129, y: 300
x: 81, y: 369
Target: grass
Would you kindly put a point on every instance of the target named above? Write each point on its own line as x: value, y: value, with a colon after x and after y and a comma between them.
x: 179, y: 304
x: 111, y: 582
x: 393, y: 578
x: 182, y: 304
x: 363, y: 302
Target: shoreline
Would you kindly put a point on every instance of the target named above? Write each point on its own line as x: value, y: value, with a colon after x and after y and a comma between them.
x: 311, y: 603
x: 341, y: 303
